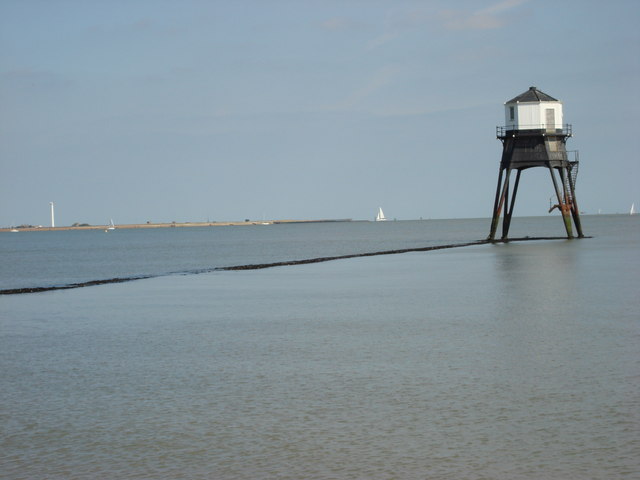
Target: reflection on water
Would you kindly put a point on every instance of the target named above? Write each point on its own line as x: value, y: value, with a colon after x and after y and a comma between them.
x: 540, y: 277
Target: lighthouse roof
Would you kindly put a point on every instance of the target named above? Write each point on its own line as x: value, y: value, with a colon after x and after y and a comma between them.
x: 533, y: 95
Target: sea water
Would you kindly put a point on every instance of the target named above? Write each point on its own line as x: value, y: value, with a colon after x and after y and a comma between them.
x: 58, y: 258
x: 507, y: 361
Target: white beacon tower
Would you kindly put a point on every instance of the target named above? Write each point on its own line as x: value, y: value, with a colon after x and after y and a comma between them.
x: 534, y: 135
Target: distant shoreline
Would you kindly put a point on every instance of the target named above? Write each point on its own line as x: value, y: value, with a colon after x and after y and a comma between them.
x: 168, y: 225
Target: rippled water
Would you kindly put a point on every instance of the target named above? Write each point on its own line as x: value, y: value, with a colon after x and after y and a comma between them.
x: 513, y: 361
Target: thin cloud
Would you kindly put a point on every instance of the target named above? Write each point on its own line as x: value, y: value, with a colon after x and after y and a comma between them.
x: 432, y: 109
x: 494, y: 16
x: 377, y: 81
x: 336, y: 23
x: 486, y: 19
x: 381, y: 40
x: 502, y: 6
x: 142, y: 26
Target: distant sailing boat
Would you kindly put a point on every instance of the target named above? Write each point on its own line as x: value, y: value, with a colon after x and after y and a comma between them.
x: 633, y: 209
x: 380, y: 216
x: 112, y: 226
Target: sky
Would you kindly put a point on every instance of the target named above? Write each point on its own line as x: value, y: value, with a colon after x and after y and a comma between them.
x: 225, y: 110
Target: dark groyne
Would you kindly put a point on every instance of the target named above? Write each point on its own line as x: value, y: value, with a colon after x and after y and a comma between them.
x: 91, y: 283
x: 259, y: 266
x: 354, y: 255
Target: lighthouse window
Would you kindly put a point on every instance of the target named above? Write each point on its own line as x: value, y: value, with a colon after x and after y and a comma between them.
x: 512, y: 113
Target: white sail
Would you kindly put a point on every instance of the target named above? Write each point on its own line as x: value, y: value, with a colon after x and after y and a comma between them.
x: 380, y: 216
x: 111, y: 226
x: 633, y: 209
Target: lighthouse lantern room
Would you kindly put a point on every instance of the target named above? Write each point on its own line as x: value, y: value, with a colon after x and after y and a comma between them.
x: 533, y: 110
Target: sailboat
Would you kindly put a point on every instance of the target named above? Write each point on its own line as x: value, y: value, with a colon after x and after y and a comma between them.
x: 111, y: 226
x: 380, y: 216
x: 633, y: 209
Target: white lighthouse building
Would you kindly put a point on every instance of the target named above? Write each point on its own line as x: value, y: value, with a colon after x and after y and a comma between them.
x: 533, y: 110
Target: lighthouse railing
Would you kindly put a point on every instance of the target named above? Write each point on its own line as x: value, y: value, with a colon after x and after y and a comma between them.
x: 536, y: 129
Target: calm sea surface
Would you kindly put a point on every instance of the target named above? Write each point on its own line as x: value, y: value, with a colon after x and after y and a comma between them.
x: 509, y: 361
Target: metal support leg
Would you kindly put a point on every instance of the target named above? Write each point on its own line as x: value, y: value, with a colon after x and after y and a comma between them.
x: 575, y: 212
x: 509, y: 212
x: 496, y: 207
x: 507, y: 185
x: 567, y: 207
x: 564, y: 208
